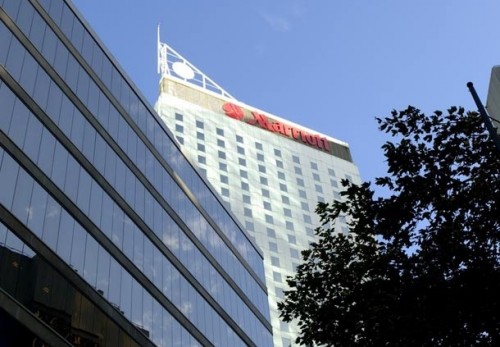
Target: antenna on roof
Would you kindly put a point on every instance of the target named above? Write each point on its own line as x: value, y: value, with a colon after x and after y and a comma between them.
x: 162, y: 55
x: 175, y: 66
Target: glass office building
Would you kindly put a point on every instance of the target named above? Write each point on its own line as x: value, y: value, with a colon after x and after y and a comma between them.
x: 108, y: 235
x: 270, y: 172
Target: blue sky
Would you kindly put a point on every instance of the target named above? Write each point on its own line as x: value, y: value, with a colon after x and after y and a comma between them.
x: 326, y: 64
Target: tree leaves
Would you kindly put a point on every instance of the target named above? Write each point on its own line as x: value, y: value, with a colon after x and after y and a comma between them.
x: 421, y: 266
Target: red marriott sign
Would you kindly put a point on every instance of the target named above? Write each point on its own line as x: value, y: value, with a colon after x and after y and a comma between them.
x: 262, y: 121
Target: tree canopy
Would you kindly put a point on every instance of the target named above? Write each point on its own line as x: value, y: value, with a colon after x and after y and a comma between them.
x: 420, y: 265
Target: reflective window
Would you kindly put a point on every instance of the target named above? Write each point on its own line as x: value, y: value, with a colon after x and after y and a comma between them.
x: 271, y: 233
x: 273, y: 247
x: 275, y: 261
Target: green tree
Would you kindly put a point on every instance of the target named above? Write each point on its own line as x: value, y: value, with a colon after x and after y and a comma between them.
x: 420, y: 266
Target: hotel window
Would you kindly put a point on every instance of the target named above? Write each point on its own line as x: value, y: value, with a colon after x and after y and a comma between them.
x: 265, y: 193
x: 275, y: 261
x: 240, y: 150
x: 284, y: 326
x: 203, y: 172
x: 292, y: 239
x: 245, y: 186
x: 289, y: 225
x: 220, y: 143
x: 242, y: 162
x: 302, y: 194
x: 277, y: 152
x: 294, y: 253
x: 200, y: 136
x: 258, y: 145
x: 260, y: 157
x: 281, y: 175
x: 223, y: 167
x: 348, y: 177
x: 300, y: 182
x: 315, y: 176
x: 279, y: 164
x: 321, y: 199
x: 276, y: 276
x: 267, y: 205
x: 224, y: 179
x: 287, y: 212
x: 239, y: 139
x: 281, y: 295
x: 246, y: 199
x: 331, y: 172
x: 307, y: 219
x: 295, y: 159
x: 298, y: 170
x: 222, y: 155
x: 271, y: 233
x: 224, y: 192
x: 318, y: 188
x: 273, y: 247
x: 269, y: 219
x: 263, y: 181
x: 304, y: 206
x: 180, y: 139
x: 247, y: 212
x: 334, y: 183
x: 179, y: 117
x: 243, y: 174
x: 202, y: 159
x: 314, y: 166
x: 309, y: 232
x: 200, y: 147
x: 249, y: 226
x: 219, y: 131
x: 262, y: 168
x: 283, y: 187
x: 337, y: 196
x: 199, y: 124
x: 285, y: 199
x: 179, y: 128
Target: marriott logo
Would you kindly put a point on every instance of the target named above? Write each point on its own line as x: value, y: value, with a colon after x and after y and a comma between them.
x: 264, y: 122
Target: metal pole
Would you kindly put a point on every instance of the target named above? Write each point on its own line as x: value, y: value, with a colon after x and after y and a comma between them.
x: 485, y: 116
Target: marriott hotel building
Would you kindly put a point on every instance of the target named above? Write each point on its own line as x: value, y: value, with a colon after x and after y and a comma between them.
x: 270, y: 172
x: 108, y: 235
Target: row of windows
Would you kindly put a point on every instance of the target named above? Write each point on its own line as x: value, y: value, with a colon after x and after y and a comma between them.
x: 260, y: 157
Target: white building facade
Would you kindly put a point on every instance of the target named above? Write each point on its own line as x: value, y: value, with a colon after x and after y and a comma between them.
x: 269, y: 171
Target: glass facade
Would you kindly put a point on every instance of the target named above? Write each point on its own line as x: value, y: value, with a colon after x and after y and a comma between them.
x: 95, y: 194
x: 270, y: 182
